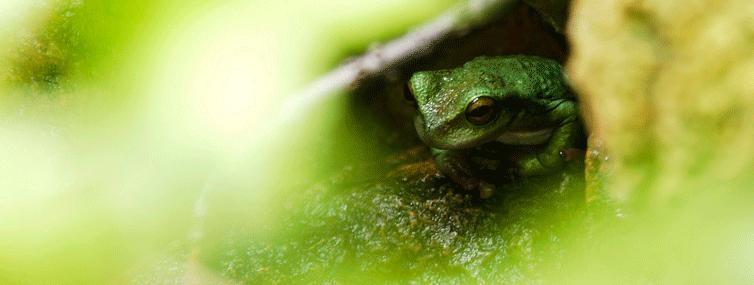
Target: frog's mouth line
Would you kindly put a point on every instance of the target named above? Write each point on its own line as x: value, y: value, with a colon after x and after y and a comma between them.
x: 510, y: 137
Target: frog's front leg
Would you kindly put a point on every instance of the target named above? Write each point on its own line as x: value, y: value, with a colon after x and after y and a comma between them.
x: 455, y: 164
x: 564, y: 136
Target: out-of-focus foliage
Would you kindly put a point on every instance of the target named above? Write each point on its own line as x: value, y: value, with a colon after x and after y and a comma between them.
x: 677, y: 118
x: 667, y: 88
x: 116, y: 118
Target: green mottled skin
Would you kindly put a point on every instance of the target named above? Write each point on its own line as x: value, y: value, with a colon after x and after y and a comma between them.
x: 533, y: 107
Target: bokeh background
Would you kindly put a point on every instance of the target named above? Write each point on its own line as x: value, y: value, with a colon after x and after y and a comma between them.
x: 136, y: 135
x: 117, y: 114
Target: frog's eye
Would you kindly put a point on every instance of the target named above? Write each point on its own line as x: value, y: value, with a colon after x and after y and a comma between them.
x: 481, y: 110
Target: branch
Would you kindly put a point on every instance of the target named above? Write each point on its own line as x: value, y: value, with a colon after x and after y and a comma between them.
x: 415, y: 44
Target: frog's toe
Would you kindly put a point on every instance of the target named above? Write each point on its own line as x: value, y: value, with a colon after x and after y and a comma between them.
x: 552, y: 161
x: 540, y: 165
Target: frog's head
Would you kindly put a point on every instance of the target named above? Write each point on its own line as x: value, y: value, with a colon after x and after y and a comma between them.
x: 460, y: 108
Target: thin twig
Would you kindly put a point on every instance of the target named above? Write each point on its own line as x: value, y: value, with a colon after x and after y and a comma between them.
x: 413, y: 45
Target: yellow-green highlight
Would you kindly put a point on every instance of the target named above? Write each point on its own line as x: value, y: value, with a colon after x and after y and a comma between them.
x: 146, y: 105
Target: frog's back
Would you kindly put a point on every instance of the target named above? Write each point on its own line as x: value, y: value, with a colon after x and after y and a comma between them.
x: 532, y: 76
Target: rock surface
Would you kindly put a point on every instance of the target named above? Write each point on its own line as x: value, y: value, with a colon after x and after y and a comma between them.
x: 412, y: 225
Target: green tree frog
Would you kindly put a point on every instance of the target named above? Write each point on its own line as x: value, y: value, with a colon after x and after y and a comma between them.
x: 517, y: 109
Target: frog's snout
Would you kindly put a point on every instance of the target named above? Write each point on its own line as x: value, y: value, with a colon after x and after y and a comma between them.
x: 426, y: 135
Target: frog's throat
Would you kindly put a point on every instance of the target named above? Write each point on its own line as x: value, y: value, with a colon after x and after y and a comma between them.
x: 525, y: 137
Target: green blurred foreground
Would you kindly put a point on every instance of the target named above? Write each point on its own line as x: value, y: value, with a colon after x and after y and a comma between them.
x: 141, y: 143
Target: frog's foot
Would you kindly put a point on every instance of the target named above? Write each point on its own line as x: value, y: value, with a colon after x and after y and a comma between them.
x: 557, y: 150
x: 457, y: 168
x: 540, y: 164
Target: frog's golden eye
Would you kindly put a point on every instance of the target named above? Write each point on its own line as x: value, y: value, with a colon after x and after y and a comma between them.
x: 481, y: 110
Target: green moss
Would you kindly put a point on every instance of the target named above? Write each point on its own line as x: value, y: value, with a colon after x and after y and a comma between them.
x: 412, y: 225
